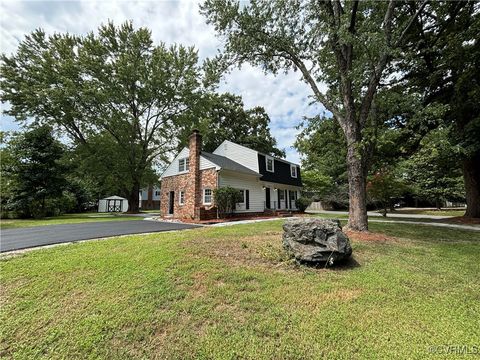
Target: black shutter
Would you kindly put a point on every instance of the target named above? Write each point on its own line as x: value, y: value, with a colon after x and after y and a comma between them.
x: 247, y: 199
x: 286, y: 199
x: 278, y: 198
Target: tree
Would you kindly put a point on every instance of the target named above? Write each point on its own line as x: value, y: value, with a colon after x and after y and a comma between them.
x: 433, y: 171
x: 444, y: 66
x: 347, y: 45
x: 115, y: 83
x: 35, y: 172
x: 385, y: 188
x: 322, y: 145
x: 224, y: 117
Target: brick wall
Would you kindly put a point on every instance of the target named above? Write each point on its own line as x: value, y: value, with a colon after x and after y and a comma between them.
x: 193, y: 202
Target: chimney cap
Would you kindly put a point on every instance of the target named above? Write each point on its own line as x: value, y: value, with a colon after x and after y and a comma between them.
x: 195, y: 131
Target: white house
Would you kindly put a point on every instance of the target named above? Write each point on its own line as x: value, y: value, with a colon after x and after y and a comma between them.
x: 267, y: 183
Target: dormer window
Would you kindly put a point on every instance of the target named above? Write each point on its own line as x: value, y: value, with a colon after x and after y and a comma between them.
x: 183, y: 164
x: 293, y: 171
x: 269, y: 163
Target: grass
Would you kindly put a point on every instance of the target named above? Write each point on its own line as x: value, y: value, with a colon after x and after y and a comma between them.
x: 374, y: 218
x: 63, y: 219
x: 229, y: 292
x: 444, y: 212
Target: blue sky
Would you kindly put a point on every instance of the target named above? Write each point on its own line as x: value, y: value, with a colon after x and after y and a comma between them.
x: 285, y: 97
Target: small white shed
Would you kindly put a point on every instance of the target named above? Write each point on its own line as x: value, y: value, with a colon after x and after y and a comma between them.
x: 113, y: 204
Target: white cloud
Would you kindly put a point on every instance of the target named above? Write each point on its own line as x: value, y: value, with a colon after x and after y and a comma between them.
x: 284, y: 97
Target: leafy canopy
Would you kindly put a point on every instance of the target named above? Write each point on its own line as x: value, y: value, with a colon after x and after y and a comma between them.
x: 116, y: 84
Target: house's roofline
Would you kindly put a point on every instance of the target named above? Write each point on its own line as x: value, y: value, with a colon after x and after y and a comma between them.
x: 225, y: 163
x: 171, y: 162
x: 258, y: 152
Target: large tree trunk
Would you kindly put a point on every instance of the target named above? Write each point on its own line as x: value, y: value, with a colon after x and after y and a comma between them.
x: 133, y: 199
x: 471, y: 176
x: 357, y: 189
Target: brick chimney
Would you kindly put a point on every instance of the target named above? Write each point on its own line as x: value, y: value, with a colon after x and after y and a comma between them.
x: 195, y: 147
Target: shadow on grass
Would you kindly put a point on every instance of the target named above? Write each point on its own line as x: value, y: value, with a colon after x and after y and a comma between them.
x: 339, y: 265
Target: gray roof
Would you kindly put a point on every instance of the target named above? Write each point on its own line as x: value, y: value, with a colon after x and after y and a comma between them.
x: 228, y: 164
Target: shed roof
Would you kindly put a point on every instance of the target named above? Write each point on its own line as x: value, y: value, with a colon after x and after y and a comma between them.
x: 114, y: 197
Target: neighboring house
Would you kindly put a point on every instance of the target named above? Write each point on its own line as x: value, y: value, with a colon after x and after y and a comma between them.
x: 266, y: 183
x: 150, y: 198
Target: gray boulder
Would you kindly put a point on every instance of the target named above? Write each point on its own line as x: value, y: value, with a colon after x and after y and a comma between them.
x: 313, y: 240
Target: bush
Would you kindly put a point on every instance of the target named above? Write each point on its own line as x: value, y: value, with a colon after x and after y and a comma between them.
x: 302, y: 203
x: 225, y: 199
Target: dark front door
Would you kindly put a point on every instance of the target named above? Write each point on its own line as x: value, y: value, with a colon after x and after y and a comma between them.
x: 171, y: 202
x: 267, y: 198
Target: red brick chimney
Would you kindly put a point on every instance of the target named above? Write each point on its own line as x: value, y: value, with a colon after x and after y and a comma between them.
x: 195, y: 147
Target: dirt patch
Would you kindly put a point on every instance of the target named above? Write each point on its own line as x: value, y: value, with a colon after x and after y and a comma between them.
x: 368, y: 236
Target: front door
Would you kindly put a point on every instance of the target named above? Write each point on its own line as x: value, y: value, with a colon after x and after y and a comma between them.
x: 267, y: 198
x: 171, y: 202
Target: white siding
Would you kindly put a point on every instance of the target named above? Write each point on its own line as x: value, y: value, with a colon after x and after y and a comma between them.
x: 250, y: 183
x: 242, y: 155
x: 172, y: 169
x: 156, y: 197
x: 206, y: 164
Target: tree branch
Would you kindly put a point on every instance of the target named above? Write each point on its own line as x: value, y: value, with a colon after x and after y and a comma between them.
x: 410, y: 22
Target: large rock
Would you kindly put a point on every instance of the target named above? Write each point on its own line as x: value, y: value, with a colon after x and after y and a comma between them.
x: 313, y: 240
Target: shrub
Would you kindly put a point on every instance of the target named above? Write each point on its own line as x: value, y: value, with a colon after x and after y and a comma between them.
x: 302, y: 203
x: 225, y: 199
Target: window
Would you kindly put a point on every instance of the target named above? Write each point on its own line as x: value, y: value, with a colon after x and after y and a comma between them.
x: 181, y: 197
x: 293, y: 171
x: 207, y: 196
x: 242, y: 192
x: 281, y: 194
x: 269, y: 163
x: 183, y: 164
x: 157, y: 192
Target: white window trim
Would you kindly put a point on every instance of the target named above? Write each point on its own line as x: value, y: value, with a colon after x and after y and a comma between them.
x: 244, y: 201
x: 266, y: 163
x: 180, y: 197
x: 204, y: 202
x: 185, y: 167
x: 293, y: 167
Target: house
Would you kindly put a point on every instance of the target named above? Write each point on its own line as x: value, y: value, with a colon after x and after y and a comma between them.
x: 266, y: 183
x: 150, y: 198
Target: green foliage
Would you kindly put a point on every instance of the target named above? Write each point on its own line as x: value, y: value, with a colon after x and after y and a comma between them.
x: 225, y: 199
x: 35, y: 173
x: 434, y: 171
x: 223, y: 117
x: 323, y: 147
x: 385, y: 188
x: 302, y: 203
x: 112, y: 91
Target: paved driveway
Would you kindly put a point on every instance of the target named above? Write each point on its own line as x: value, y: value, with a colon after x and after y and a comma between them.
x: 23, y: 238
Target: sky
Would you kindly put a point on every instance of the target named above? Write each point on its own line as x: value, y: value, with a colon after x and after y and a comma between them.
x: 285, y: 97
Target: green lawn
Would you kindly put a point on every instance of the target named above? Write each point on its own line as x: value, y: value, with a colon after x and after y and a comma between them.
x: 375, y: 218
x: 63, y: 219
x: 444, y: 212
x: 225, y: 293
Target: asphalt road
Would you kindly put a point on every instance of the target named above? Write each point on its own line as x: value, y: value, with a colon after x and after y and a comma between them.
x: 24, y: 238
